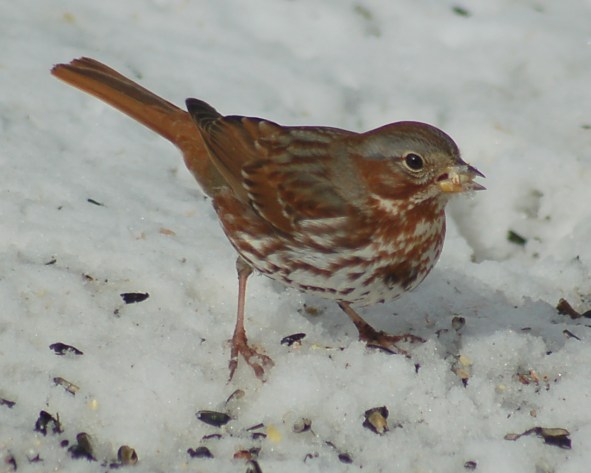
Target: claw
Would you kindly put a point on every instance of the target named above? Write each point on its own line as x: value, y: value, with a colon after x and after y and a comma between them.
x: 376, y: 338
x: 240, y: 346
x: 386, y: 342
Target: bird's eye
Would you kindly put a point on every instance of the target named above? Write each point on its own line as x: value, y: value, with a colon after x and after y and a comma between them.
x: 414, y: 162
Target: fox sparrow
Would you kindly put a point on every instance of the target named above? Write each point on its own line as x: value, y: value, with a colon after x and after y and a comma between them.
x: 353, y: 217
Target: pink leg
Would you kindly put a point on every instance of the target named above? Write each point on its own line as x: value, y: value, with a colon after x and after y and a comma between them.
x: 239, y: 341
x: 376, y: 338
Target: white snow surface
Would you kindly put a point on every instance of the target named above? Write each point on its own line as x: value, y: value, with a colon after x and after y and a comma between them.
x: 509, y: 80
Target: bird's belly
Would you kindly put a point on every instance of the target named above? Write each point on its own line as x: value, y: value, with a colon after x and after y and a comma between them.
x: 375, y: 272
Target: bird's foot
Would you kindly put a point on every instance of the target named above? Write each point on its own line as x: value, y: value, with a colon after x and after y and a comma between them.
x: 256, y: 360
x: 386, y: 342
x: 376, y: 338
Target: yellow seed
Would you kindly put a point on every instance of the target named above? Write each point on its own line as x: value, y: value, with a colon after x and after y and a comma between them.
x: 464, y: 360
x: 68, y: 386
x: 127, y: 455
x: 378, y: 421
x: 167, y: 231
x: 69, y: 18
x: 273, y: 434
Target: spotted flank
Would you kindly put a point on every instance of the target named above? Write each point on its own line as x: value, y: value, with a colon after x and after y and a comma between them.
x: 379, y: 266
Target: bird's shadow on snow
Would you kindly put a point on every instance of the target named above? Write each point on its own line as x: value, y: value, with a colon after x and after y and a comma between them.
x: 445, y: 307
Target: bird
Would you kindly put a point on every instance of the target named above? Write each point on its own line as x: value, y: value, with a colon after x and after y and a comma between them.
x: 353, y: 217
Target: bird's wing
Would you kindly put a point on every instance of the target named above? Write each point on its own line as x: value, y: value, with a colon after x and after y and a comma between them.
x: 287, y: 174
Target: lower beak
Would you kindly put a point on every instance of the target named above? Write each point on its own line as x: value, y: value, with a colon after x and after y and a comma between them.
x: 460, y: 178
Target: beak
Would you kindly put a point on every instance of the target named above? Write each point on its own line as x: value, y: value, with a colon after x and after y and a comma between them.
x: 460, y: 178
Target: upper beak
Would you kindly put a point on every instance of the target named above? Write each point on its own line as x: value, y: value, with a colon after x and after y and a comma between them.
x: 460, y: 178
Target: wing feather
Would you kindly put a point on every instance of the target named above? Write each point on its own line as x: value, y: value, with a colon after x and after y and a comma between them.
x: 287, y: 174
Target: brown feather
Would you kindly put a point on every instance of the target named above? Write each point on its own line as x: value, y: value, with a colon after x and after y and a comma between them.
x: 152, y: 111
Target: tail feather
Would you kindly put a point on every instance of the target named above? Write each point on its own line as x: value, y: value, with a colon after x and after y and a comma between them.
x: 152, y: 111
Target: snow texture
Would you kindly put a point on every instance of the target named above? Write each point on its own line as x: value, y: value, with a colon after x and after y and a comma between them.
x: 508, y: 79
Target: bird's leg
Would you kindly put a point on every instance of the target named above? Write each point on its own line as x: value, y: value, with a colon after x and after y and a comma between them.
x: 376, y: 338
x: 239, y: 341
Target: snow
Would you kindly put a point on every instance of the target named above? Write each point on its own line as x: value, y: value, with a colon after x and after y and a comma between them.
x: 510, y: 83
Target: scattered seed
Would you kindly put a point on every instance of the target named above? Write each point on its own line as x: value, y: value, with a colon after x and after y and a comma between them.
x: 45, y: 418
x: 310, y: 456
x: 464, y: 360
x: 460, y: 11
x: 127, y: 455
x: 61, y: 349
x: 463, y: 374
x: 134, y: 297
x: 311, y: 310
x: 200, y: 452
x: 257, y: 435
x: 457, y: 323
x: 441, y: 331
x: 94, y: 202
x: 36, y: 459
x: 463, y: 368
x: 555, y: 436
x: 551, y: 431
x: 569, y: 334
x: 167, y: 231
x: 236, y: 395
x: 68, y: 386
x: 345, y: 458
x: 291, y: 339
x: 217, y: 419
x: 250, y: 454
x: 363, y: 12
x: 376, y: 420
x: 83, y: 449
x: 302, y: 425
x: 531, y: 377
x: 9, y: 460
x: 7, y: 403
x: 242, y: 455
x: 470, y: 465
x: 516, y: 238
x: 564, y: 308
x: 273, y: 434
x: 253, y: 467
x: 256, y: 427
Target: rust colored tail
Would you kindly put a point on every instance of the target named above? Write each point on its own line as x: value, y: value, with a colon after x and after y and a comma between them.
x: 152, y: 111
